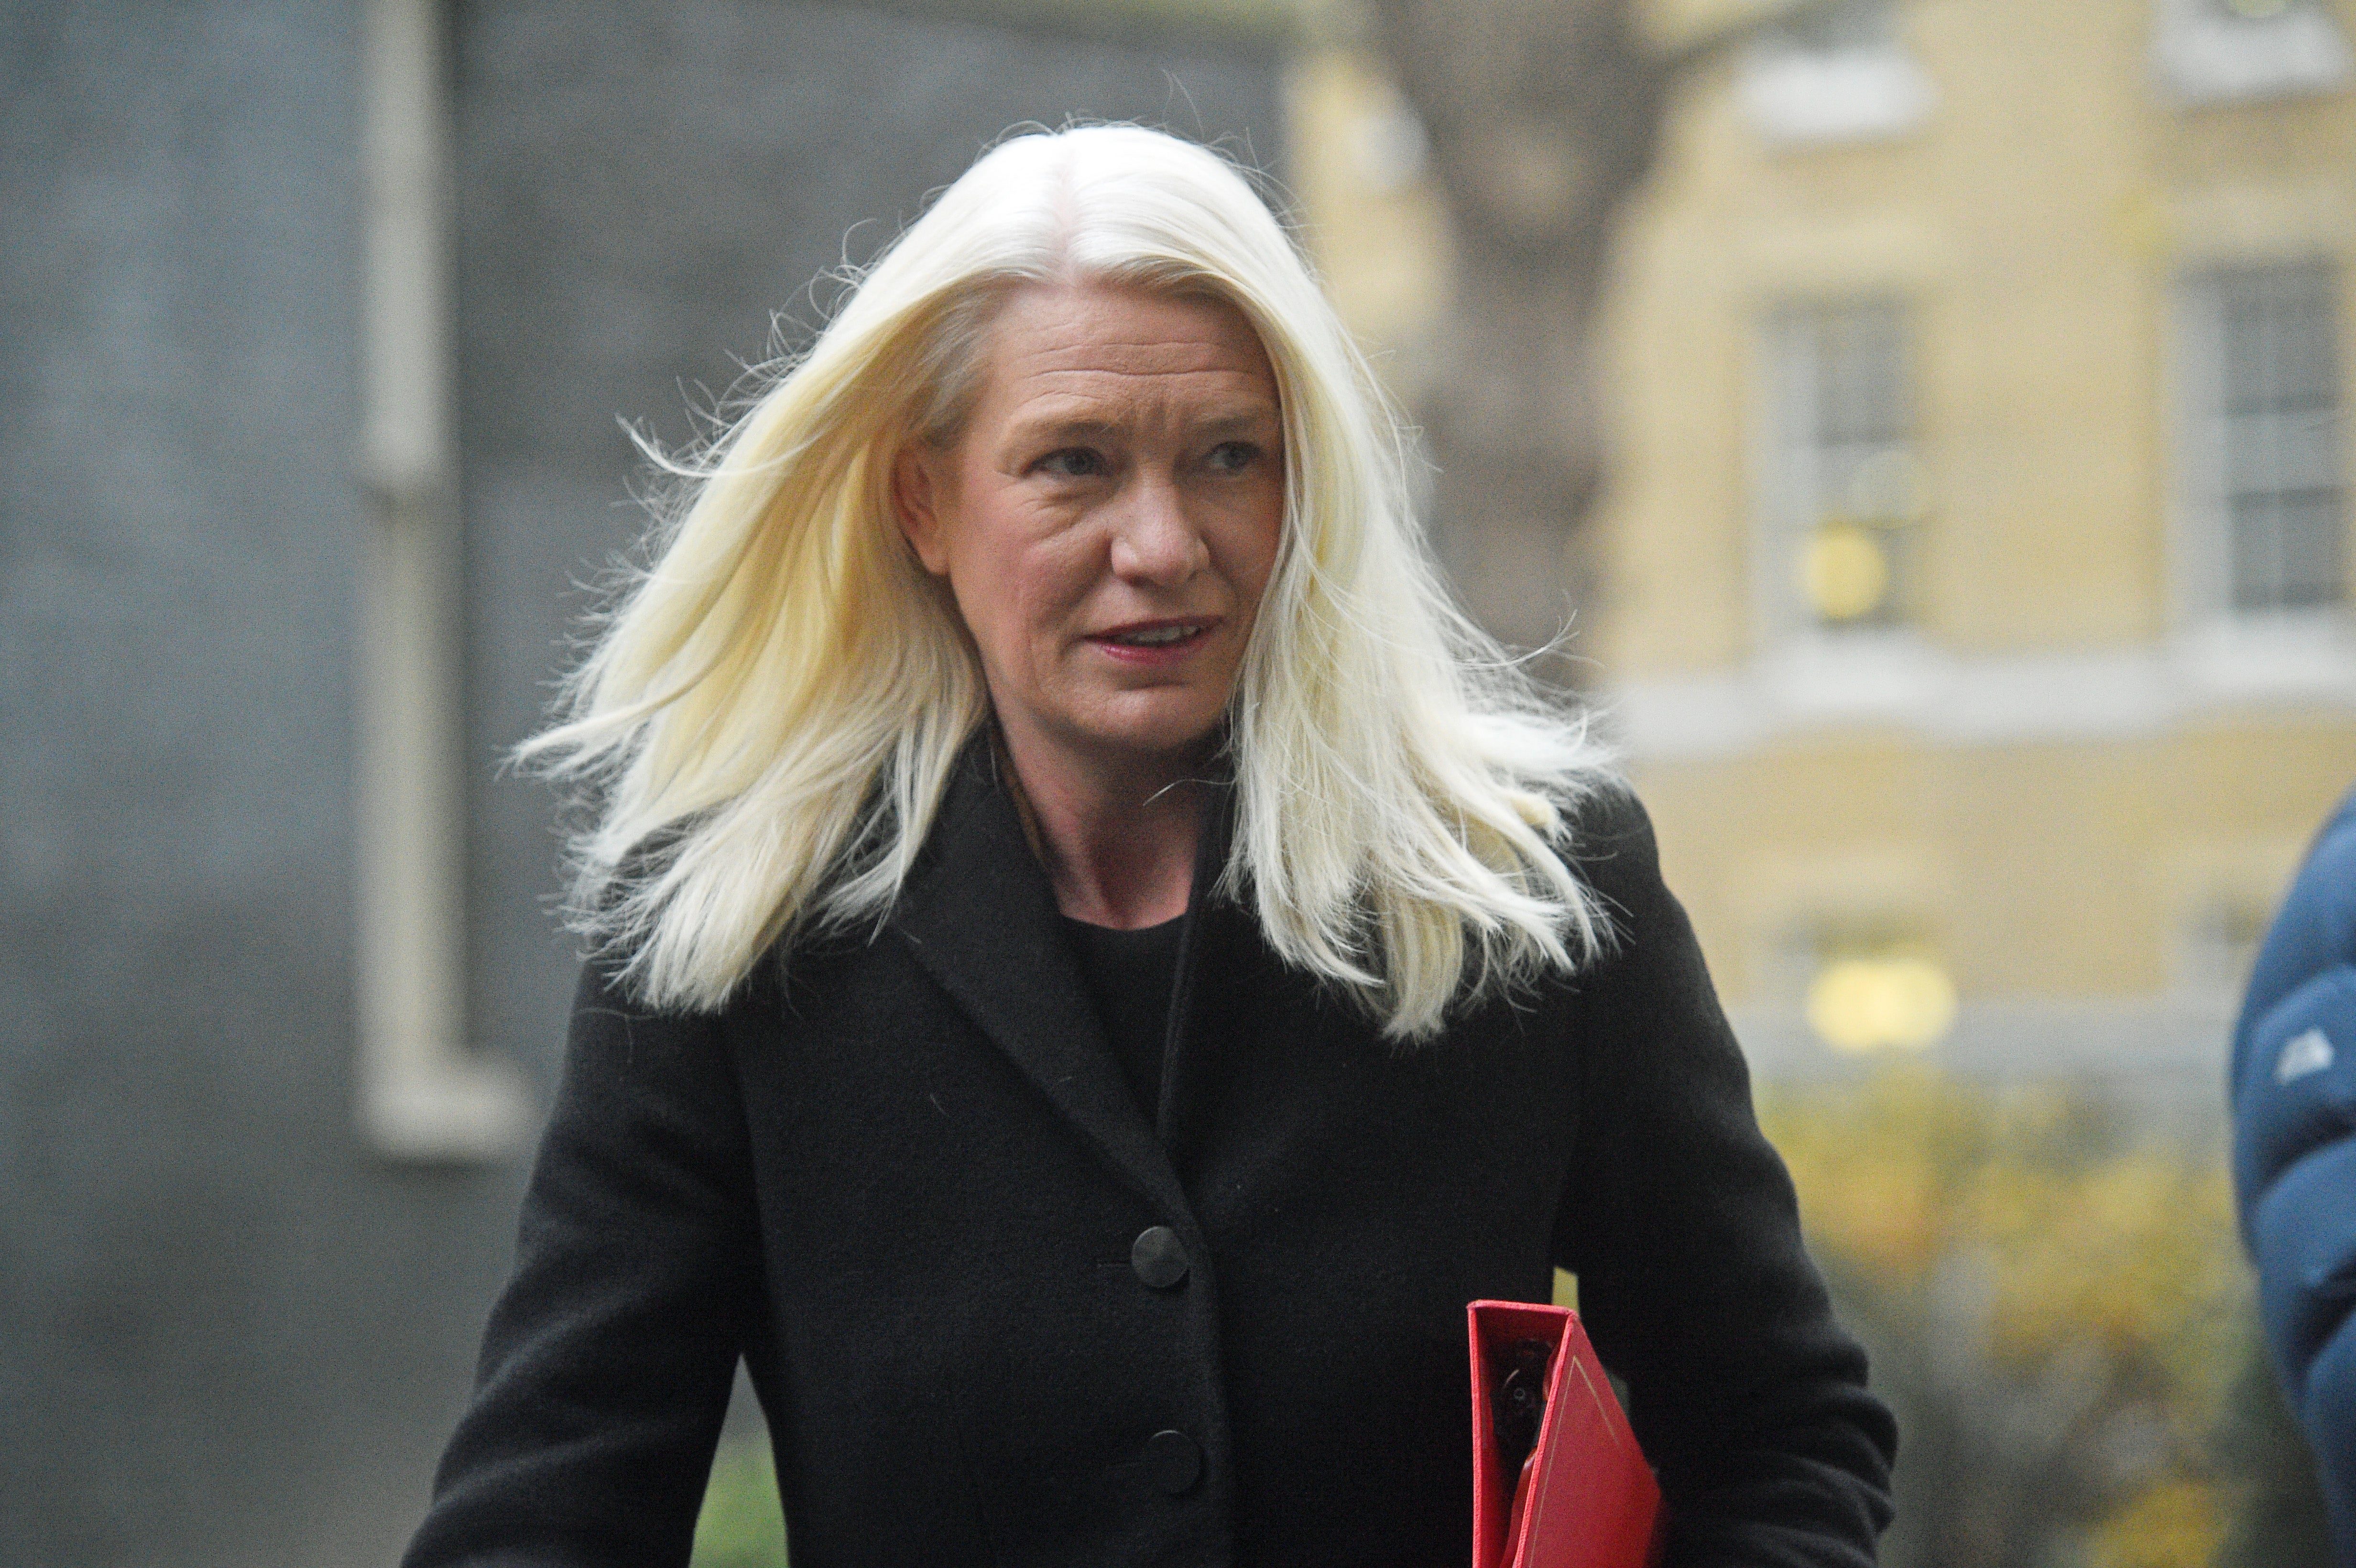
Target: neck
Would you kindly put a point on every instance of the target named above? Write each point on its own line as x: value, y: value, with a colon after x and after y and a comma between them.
x: 1118, y: 838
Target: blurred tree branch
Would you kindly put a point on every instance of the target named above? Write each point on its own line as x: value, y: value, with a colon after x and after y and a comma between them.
x: 1543, y: 117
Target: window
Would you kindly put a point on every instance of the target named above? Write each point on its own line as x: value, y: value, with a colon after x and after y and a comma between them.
x: 1845, y: 492
x: 2263, y: 374
x: 423, y: 1094
x: 1871, y: 984
x: 1838, y: 73
x: 2220, y: 52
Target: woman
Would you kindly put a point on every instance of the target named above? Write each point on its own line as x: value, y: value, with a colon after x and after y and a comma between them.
x: 1098, y: 964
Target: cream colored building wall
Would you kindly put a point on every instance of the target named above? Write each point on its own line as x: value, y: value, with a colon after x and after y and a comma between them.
x: 2037, y: 222
x: 2047, y: 787
x: 2053, y: 870
x: 1373, y: 224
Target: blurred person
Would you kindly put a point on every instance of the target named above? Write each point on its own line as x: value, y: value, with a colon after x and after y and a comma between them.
x: 1096, y: 963
x: 2294, y: 1093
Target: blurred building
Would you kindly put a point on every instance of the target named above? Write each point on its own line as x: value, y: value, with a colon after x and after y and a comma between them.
x: 320, y: 319
x: 1977, y: 612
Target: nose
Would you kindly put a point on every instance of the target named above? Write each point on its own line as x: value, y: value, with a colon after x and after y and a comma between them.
x: 1153, y: 539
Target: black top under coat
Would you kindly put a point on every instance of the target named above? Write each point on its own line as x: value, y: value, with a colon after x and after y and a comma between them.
x: 1130, y: 973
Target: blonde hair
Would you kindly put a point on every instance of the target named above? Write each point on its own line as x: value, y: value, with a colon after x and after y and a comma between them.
x: 766, y: 723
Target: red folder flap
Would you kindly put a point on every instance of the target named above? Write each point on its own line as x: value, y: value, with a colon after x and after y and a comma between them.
x: 1593, y: 1499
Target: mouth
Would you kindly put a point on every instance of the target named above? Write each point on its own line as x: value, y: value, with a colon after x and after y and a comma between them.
x: 1146, y: 637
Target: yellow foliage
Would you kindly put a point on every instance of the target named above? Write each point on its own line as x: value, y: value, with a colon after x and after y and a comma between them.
x: 2078, y: 1255
x: 1875, y: 1167
x: 2173, y: 1526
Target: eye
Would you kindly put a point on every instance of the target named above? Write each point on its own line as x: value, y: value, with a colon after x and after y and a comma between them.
x: 1072, y: 462
x: 1231, y: 456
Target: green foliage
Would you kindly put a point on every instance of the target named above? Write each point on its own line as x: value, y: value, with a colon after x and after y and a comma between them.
x: 741, y: 1525
x: 2279, y: 1518
x: 2057, y: 1313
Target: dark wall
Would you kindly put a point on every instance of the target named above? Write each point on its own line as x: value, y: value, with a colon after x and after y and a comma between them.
x: 223, y: 1328
x: 229, y: 1333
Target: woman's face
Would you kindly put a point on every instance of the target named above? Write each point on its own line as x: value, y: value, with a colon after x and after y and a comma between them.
x: 1107, y: 521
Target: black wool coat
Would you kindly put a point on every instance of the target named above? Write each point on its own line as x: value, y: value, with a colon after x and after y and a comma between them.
x: 997, y: 1317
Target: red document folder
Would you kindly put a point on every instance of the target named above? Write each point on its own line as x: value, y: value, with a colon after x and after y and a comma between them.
x: 1592, y: 1501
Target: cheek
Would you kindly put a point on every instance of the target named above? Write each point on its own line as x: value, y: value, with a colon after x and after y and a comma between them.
x: 1018, y: 594
x: 1258, y: 539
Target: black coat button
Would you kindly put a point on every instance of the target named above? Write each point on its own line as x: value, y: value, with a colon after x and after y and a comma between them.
x: 1174, y: 1460
x: 1158, y: 1257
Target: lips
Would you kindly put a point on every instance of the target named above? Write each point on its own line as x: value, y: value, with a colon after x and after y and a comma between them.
x: 1157, y: 636
x: 1145, y: 639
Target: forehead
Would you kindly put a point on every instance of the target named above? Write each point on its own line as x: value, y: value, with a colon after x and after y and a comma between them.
x: 1062, y: 344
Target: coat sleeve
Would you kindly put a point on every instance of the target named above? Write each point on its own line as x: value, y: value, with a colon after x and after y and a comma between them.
x: 609, y: 1360
x: 2294, y: 1093
x: 1681, y: 1225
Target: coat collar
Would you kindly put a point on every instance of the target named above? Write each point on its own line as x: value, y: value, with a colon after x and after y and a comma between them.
x: 980, y: 917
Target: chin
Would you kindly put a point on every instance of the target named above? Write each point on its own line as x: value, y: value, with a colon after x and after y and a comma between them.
x: 1163, y: 738
x: 1183, y: 749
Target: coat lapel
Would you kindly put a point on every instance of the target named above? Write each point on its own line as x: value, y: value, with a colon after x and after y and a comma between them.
x: 1204, y: 995
x: 980, y: 917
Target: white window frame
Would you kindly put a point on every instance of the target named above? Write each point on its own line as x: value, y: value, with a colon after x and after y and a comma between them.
x: 1828, y: 670
x: 2202, y: 56
x: 420, y: 1093
x: 1798, y: 97
x: 2222, y: 647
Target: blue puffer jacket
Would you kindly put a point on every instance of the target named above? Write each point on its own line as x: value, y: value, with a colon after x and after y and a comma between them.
x: 2294, y: 1154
